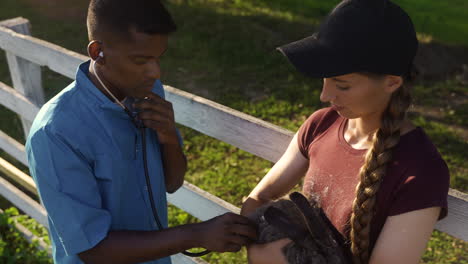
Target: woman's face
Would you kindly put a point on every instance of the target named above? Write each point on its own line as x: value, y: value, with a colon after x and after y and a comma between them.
x: 356, y: 95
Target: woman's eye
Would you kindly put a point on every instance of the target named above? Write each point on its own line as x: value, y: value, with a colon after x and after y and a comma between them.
x: 139, y: 62
x: 342, y: 88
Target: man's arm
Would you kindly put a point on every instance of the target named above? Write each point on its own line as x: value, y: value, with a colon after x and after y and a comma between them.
x: 175, y: 166
x: 71, y: 196
x: 224, y: 233
x: 158, y: 115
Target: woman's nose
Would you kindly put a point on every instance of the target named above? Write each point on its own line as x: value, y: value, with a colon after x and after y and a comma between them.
x: 327, y: 91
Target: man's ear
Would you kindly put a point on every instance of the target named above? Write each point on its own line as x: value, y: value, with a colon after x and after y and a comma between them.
x: 393, y: 82
x: 94, y: 49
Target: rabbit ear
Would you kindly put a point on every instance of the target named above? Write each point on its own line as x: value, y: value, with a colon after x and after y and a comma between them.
x: 284, y: 224
x: 317, y: 227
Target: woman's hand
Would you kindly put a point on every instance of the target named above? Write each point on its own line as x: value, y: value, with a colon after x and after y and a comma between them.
x: 270, y: 253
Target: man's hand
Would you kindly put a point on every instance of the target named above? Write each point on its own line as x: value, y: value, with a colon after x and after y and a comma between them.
x: 227, y: 233
x: 157, y: 114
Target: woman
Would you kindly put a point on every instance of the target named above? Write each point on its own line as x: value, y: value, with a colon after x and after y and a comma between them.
x: 379, y: 179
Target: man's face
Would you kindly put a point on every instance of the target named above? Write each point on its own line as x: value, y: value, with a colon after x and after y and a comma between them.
x: 133, y: 65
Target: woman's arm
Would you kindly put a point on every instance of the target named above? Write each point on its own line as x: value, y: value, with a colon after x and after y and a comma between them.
x: 404, y: 237
x: 284, y: 175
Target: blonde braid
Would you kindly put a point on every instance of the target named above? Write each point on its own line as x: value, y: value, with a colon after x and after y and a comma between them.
x: 373, y: 171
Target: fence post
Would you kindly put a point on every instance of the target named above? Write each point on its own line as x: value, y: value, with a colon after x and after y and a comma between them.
x: 26, y: 76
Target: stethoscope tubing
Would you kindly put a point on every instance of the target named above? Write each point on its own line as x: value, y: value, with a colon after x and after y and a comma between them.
x: 139, y: 125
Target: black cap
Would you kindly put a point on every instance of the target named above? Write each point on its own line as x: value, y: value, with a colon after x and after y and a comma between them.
x: 357, y: 36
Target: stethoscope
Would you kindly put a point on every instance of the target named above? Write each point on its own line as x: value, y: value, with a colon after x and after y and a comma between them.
x: 139, y: 125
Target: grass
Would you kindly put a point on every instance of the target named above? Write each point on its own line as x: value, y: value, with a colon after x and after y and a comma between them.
x: 233, y: 61
x: 13, y: 247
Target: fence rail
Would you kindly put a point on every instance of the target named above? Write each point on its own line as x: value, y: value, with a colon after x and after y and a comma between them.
x: 26, y: 53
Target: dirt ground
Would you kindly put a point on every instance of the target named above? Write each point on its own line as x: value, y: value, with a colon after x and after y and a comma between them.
x: 435, y: 61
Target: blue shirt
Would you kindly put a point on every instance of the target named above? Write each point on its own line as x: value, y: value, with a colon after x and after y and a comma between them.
x: 85, y: 156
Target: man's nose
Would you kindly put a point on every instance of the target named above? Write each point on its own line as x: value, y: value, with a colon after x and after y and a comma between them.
x: 327, y: 91
x: 153, y: 70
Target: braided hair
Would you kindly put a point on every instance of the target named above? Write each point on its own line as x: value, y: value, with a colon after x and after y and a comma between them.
x: 373, y: 171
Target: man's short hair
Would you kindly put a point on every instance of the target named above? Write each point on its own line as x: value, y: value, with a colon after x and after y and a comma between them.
x: 120, y: 16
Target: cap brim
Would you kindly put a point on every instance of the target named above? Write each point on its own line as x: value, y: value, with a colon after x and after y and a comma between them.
x: 315, y: 59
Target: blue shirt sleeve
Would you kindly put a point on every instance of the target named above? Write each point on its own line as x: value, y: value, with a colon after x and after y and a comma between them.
x: 69, y: 192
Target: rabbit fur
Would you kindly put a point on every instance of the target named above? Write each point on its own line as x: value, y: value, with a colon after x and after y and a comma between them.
x: 303, y: 222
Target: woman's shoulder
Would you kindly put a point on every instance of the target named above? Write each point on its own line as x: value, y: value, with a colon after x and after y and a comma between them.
x: 417, y: 147
x: 419, y: 158
x: 324, y: 113
x: 322, y: 118
x: 317, y: 124
x: 418, y: 177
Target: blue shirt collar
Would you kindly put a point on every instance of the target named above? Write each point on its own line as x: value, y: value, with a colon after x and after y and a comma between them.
x: 83, y: 81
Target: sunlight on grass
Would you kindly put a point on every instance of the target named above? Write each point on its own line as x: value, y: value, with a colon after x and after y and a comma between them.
x: 424, y: 38
x: 249, y: 8
x: 443, y: 248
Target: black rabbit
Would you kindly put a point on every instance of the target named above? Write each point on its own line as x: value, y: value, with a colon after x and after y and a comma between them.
x: 305, y: 224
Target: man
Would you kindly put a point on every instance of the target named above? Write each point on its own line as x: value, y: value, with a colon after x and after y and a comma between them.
x: 85, y: 149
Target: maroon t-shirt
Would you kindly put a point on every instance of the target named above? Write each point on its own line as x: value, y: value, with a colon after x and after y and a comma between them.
x: 417, y: 177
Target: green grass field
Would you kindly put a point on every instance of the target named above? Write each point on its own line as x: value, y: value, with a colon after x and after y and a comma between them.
x: 225, y: 50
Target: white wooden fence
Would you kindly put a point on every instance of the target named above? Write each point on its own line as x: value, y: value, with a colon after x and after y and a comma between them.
x: 25, y: 56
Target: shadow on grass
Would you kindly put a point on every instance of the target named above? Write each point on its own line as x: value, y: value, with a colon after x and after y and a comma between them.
x: 436, y: 61
x: 234, y: 58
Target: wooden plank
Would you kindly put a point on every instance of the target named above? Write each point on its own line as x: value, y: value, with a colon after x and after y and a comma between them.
x: 13, y: 148
x: 17, y: 102
x: 246, y: 132
x: 14, y: 22
x: 41, y: 52
x: 26, y: 76
x: 207, y: 205
x: 199, y: 203
x: 18, y: 176
x: 456, y: 222
x: 23, y: 202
